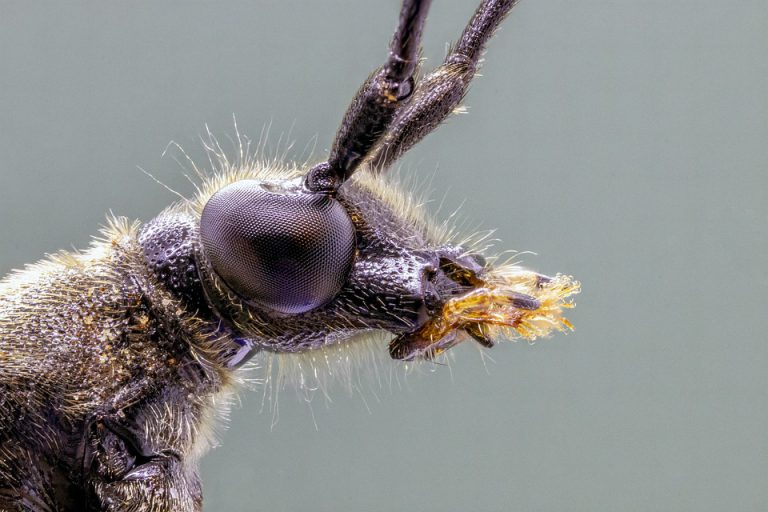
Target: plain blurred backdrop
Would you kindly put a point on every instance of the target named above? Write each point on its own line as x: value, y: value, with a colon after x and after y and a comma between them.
x: 626, y: 143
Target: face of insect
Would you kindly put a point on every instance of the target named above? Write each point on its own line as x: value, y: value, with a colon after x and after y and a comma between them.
x: 297, y: 260
x: 286, y: 269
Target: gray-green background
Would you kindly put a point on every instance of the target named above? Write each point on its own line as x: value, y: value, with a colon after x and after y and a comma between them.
x: 624, y: 142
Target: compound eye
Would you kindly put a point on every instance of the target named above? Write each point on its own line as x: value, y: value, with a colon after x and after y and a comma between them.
x: 288, y: 251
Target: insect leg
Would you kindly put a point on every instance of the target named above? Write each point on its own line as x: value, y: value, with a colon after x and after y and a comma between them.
x: 439, y: 93
x: 163, y: 484
x: 374, y: 106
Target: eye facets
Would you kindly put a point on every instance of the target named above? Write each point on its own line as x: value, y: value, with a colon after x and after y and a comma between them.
x: 288, y: 251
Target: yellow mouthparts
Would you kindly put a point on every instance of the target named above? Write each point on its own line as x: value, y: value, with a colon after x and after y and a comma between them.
x: 510, y: 303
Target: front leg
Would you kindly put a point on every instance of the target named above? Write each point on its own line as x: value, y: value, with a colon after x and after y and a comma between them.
x: 163, y: 484
x: 126, y: 470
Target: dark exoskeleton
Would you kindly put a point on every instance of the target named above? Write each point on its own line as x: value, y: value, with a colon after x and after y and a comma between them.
x: 115, y: 361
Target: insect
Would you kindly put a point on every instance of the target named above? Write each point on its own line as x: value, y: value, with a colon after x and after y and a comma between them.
x: 114, y: 361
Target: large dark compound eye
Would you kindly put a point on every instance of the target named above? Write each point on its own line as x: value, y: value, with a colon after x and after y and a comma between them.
x: 286, y: 250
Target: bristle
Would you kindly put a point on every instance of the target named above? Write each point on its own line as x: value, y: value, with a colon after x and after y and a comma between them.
x: 408, y: 206
x: 553, y: 295
x: 354, y: 365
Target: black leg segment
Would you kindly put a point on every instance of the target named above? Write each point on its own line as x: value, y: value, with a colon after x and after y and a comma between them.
x: 389, y: 114
x: 439, y: 93
x: 375, y: 104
